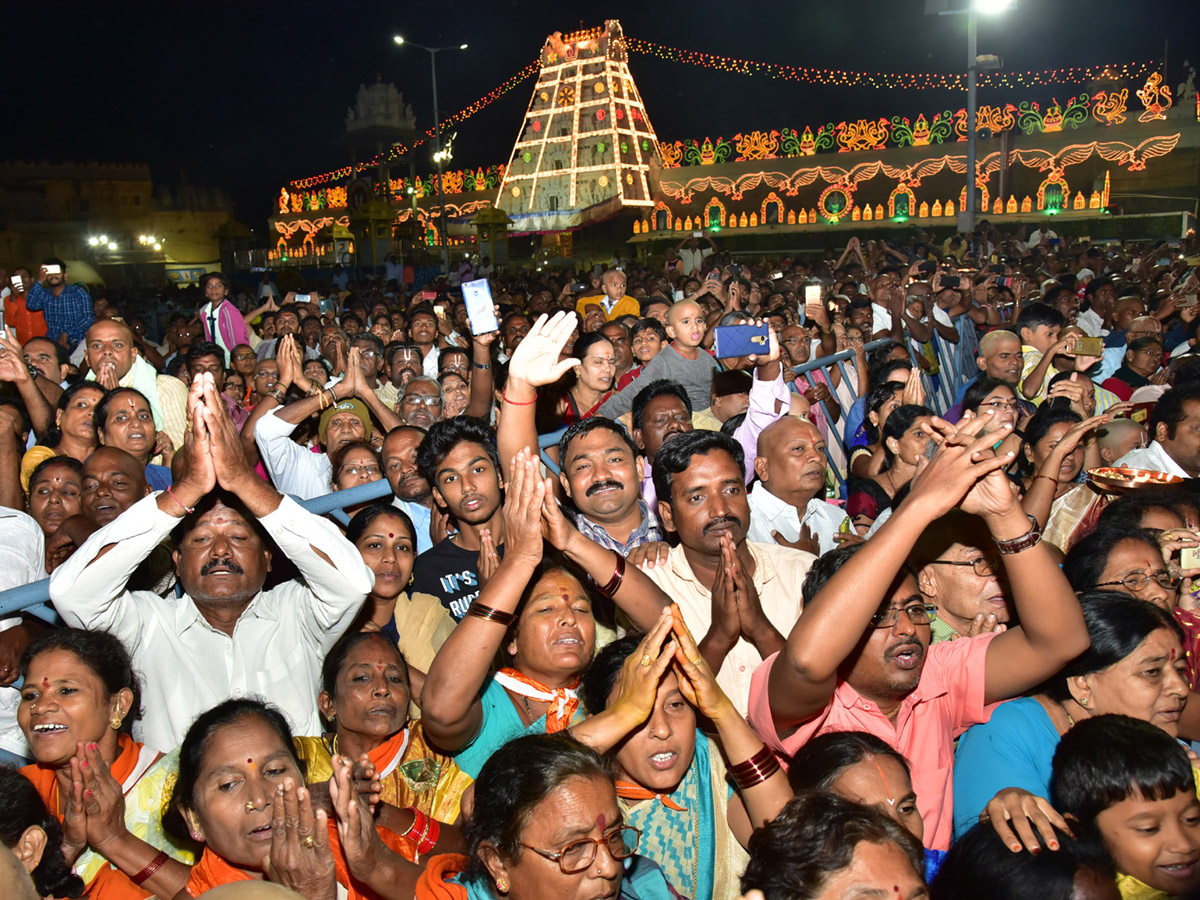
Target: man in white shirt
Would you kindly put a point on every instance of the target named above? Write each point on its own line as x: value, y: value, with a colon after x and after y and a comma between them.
x: 786, y: 506
x: 22, y: 554
x: 692, y: 255
x: 740, y: 598
x: 1175, y: 426
x: 225, y: 636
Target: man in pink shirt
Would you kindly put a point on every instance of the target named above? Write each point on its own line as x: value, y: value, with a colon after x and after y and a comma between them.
x: 859, y: 658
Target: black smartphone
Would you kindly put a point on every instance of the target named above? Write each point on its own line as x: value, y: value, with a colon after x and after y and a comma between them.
x: 952, y: 281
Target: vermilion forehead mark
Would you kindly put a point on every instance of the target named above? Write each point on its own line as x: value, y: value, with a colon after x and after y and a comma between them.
x: 45, y: 684
x: 390, y: 534
x: 565, y: 596
x: 601, y: 820
x: 1172, y: 654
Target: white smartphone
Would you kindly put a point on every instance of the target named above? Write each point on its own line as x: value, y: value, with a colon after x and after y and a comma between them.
x: 53, y: 270
x: 17, y: 283
x: 697, y: 234
x: 812, y: 294
x: 481, y: 309
x: 304, y: 298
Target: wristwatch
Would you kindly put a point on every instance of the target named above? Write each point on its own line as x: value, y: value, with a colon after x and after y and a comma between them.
x: 1031, y: 538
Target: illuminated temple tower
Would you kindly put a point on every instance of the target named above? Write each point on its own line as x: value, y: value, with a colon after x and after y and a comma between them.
x: 585, y: 146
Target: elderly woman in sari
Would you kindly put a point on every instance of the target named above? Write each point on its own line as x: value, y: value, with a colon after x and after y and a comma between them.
x: 671, y: 779
x: 365, y: 696
x: 546, y: 826
x: 78, y: 701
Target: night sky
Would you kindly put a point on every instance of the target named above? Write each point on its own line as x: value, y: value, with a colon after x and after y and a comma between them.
x: 248, y: 95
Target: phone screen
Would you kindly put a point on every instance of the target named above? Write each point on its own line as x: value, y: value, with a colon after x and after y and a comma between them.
x: 481, y: 310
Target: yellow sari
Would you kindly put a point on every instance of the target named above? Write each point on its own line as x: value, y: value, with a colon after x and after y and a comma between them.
x: 411, y: 772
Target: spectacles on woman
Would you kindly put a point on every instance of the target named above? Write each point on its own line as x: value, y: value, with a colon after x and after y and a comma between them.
x: 578, y: 855
x: 999, y: 405
x: 983, y: 566
x: 1139, y: 581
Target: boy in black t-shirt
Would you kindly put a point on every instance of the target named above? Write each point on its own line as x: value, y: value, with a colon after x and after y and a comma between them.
x: 458, y: 457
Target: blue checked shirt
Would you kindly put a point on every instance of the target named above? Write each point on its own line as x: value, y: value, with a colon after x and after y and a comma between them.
x: 70, y: 312
x: 648, y: 531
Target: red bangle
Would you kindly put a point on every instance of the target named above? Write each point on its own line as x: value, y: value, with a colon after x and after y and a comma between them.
x: 754, y: 771
x: 424, y: 830
x: 614, y: 583
x: 504, y: 396
x: 188, y: 509
x: 151, y: 867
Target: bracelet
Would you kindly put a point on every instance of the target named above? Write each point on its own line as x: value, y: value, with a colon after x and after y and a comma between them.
x: 481, y: 365
x: 488, y: 614
x: 332, y: 397
x: 188, y: 509
x: 614, y: 583
x: 151, y: 867
x: 277, y: 394
x: 504, y: 397
x: 424, y: 830
x: 754, y: 771
x: 313, y: 390
x: 1031, y: 538
x: 1048, y: 478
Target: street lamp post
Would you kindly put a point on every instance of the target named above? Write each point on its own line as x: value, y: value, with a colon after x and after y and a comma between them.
x: 437, y: 144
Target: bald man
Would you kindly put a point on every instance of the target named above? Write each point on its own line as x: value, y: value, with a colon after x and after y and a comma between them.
x: 999, y: 357
x: 1118, y: 437
x: 114, y: 361
x: 1136, y: 327
x: 787, y: 506
x: 112, y: 482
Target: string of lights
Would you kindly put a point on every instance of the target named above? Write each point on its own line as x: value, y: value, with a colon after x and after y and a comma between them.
x: 836, y: 77
x: 890, y: 80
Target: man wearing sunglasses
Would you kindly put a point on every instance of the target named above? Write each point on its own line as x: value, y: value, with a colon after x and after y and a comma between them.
x: 859, y: 658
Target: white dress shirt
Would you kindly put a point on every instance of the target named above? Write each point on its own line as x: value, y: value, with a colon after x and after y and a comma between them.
x: 778, y: 574
x: 294, y: 469
x: 768, y: 513
x: 22, y: 561
x: 185, y: 664
x: 1153, y: 459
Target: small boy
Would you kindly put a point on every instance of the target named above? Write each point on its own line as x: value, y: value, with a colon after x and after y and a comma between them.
x: 681, y: 361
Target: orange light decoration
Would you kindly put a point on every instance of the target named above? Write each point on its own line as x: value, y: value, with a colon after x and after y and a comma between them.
x: 1156, y: 97
x: 772, y: 199
x: 1108, y: 107
x: 923, y: 210
x: 712, y: 204
x: 1011, y: 206
x: 1026, y: 204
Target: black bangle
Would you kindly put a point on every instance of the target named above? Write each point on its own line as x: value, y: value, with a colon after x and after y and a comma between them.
x: 481, y: 365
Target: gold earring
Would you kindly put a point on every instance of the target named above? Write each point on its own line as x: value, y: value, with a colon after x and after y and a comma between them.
x: 502, y: 885
x: 1083, y: 701
x: 115, y: 722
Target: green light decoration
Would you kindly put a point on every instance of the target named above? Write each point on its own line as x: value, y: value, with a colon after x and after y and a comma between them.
x: 624, y: 147
x: 528, y: 157
x: 601, y: 147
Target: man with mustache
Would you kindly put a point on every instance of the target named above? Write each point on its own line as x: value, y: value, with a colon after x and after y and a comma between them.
x: 860, y: 659
x: 742, y: 597
x: 225, y: 636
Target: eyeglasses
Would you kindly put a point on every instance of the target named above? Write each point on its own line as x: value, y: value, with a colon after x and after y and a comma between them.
x: 578, y: 855
x: 984, y: 567
x: 368, y: 354
x: 918, y: 614
x: 999, y: 405
x: 244, y: 356
x: 1139, y: 581
x: 354, y: 470
x: 418, y: 399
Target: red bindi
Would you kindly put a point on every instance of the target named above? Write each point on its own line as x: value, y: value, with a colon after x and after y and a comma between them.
x: 565, y: 596
x: 250, y: 761
x: 390, y: 534
x: 1172, y: 654
x: 601, y: 820
x: 45, y: 684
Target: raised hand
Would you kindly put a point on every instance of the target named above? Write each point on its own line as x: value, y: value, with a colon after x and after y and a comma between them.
x: 103, y: 799
x: 523, y: 502
x: 489, y: 558
x: 12, y: 362
x: 106, y: 376
x: 637, y: 688
x: 805, y: 541
x: 914, y: 389
x: 199, y: 476
x: 964, y: 457
x: 300, y: 857
x: 647, y: 556
x: 698, y: 684
x: 225, y: 444
x: 285, y: 359
x: 536, y: 359
x: 355, y: 825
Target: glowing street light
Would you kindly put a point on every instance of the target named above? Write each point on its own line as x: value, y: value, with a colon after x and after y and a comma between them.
x: 437, y: 139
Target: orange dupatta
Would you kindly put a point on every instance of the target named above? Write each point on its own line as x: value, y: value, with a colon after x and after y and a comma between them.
x: 109, y: 883
x: 387, y: 755
x: 433, y: 883
x: 212, y: 870
x: 563, y: 701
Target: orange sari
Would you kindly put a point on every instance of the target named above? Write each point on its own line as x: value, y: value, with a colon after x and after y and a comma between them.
x: 434, y: 883
x: 212, y: 871
x: 108, y: 882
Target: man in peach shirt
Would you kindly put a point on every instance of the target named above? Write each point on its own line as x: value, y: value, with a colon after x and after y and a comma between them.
x: 860, y: 657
